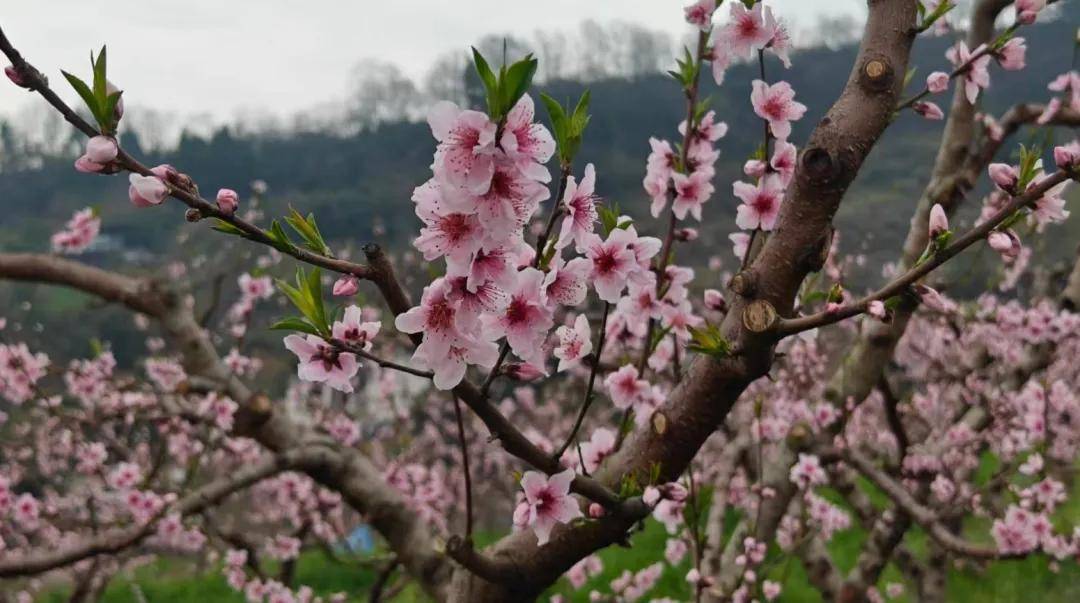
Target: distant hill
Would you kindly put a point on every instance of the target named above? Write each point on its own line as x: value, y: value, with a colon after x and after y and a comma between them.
x: 355, y: 184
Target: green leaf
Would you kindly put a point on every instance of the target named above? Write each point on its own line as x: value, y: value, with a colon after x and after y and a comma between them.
x: 279, y: 239
x: 85, y: 93
x: 487, y: 76
x: 100, y: 81
x: 225, y: 227
x: 709, y: 340
x: 294, y: 323
x: 306, y: 228
x: 517, y: 81
x: 314, y: 292
x: 609, y: 217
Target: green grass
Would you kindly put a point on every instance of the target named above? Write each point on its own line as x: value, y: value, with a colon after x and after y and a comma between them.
x: 1000, y: 582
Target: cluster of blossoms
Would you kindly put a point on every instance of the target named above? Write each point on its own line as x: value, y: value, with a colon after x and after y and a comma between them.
x: 20, y: 370
x: 484, y: 193
x: 78, y: 234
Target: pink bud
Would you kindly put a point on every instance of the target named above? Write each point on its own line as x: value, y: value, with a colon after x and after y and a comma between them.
x: 876, y: 309
x: 101, y: 149
x: 15, y: 77
x: 596, y: 510
x: 228, y: 201
x: 928, y: 110
x: 1067, y: 156
x: 937, y: 81
x: 146, y: 190
x: 523, y: 371
x: 651, y: 496
x: 1006, y: 243
x: 1028, y: 10
x: 84, y: 165
x: 1005, y: 176
x: 166, y: 172
x: 345, y: 286
x: 674, y: 491
x: 686, y: 234
x: 714, y: 300
x: 755, y: 168
x: 939, y: 222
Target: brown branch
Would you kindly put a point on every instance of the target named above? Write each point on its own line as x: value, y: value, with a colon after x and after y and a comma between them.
x: 900, y: 284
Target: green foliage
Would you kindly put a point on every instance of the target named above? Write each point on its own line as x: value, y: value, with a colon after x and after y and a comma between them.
x: 687, y: 71
x: 611, y: 218
x: 928, y: 19
x: 503, y: 91
x: 568, y: 130
x: 96, y: 95
x: 306, y: 296
x: 308, y: 230
x: 709, y: 340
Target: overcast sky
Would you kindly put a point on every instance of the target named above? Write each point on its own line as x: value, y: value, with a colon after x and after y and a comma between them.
x: 223, y: 56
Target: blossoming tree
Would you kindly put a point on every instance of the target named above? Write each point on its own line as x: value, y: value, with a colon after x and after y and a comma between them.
x: 589, y: 381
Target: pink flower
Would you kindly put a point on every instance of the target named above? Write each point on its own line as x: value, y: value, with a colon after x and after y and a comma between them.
x: 1067, y: 156
x: 714, y: 300
x: 760, y: 204
x: 876, y: 309
x: 78, y: 234
x: 976, y: 77
x: 625, y: 388
x: 581, y: 214
x: 939, y: 222
x: 612, y: 263
x: 565, y: 283
x: 455, y: 235
x: 747, y: 30
x: 228, y: 200
x: 434, y: 317
x: 574, y: 343
x: 26, y: 510
x: 346, y: 286
x: 807, y: 471
x: 783, y: 161
x: 529, y: 145
x: 659, y: 168
x: 1011, y: 56
x: 1005, y: 176
x: 509, y: 203
x: 691, y: 192
x: 776, y: 104
x: 599, y: 446
x: 450, y: 367
x: 699, y: 14
x: 937, y: 82
x: 526, y: 319
x: 353, y: 329
x: 321, y: 363
x: 547, y: 502
x: 928, y: 110
x: 146, y: 190
x: 125, y: 476
x: 1066, y: 82
x: 740, y: 241
x: 523, y: 371
x: 464, y: 157
x: 1028, y: 10
x: 771, y: 590
x: 720, y: 54
x: 1050, y: 208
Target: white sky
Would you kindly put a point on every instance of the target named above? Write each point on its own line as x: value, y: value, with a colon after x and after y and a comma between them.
x: 282, y: 56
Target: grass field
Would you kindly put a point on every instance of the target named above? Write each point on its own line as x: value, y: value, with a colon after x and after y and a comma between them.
x: 1023, y: 581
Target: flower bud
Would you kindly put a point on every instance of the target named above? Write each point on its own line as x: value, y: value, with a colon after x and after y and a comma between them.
x: 674, y: 491
x: 1006, y: 243
x: 1005, y: 176
x: 937, y: 81
x: 345, y: 286
x: 1012, y: 55
x: 939, y: 222
x: 146, y: 190
x: 1067, y: 156
x: 876, y: 309
x: 596, y: 510
x: 754, y: 168
x: 686, y: 234
x: 101, y: 149
x: 714, y: 300
x: 523, y: 371
x: 928, y: 110
x: 651, y: 496
x: 1028, y: 10
x: 228, y: 201
x: 16, y: 78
